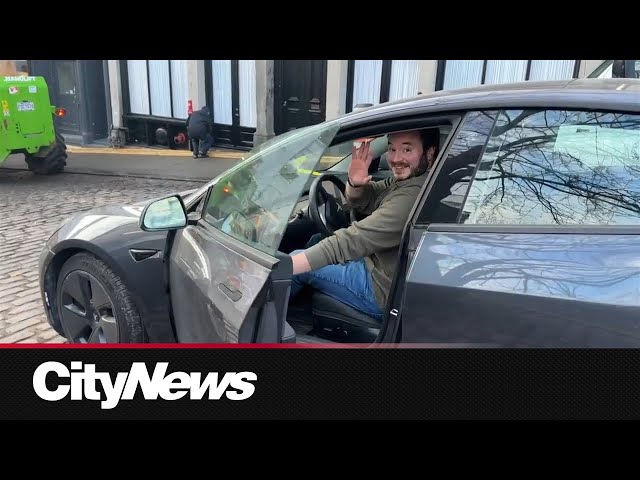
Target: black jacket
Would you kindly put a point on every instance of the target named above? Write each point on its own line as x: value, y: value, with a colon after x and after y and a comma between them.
x: 199, y: 123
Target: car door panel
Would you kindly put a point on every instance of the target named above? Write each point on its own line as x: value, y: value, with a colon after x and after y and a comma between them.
x: 270, y: 320
x: 523, y: 290
x: 229, y: 283
x: 528, y: 235
x: 214, y: 285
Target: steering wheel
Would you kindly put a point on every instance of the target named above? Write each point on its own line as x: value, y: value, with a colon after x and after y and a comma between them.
x: 327, y: 214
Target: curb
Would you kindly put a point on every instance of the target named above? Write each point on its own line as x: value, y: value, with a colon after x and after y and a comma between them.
x: 155, y: 152
x: 123, y: 174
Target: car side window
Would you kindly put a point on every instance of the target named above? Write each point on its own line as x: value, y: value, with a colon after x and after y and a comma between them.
x: 446, y: 196
x: 253, y: 201
x: 558, y: 167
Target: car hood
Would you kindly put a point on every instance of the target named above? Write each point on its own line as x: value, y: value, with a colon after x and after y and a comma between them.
x: 132, y: 210
x: 89, y: 224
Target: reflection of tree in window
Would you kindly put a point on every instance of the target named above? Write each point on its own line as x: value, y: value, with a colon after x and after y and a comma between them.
x: 445, y: 200
x: 558, y: 167
x: 525, y: 267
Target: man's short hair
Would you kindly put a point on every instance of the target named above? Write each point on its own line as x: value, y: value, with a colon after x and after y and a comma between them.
x: 430, y: 138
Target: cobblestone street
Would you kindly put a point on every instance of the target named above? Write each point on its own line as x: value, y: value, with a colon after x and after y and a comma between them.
x: 31, y: 208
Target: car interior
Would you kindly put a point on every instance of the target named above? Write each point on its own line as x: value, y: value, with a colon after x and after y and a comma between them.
x: 314, y: 317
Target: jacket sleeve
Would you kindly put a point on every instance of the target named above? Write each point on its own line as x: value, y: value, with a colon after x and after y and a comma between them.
x: 364, y: 198
x: 382, y: 230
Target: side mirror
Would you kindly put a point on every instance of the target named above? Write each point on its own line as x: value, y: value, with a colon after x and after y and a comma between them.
x: 165, y: 214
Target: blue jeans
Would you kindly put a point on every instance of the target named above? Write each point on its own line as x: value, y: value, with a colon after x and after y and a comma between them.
x: 201, y: 145
x: 349, y: 283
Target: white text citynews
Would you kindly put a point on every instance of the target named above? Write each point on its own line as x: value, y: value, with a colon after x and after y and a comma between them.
x: 83, y: 380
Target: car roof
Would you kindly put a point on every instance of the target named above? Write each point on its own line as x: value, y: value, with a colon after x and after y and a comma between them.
x: 617, y: 94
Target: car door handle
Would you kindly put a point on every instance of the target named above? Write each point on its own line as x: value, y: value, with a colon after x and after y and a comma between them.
x: 142, y: 254
x: 233, y: 294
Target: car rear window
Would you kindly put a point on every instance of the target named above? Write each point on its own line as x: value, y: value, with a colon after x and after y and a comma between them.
x: 558, y: 167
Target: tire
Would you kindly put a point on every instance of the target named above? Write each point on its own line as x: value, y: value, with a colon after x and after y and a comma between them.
x: 60, y: 141
x: 121, y: 323
x: 54, y: 162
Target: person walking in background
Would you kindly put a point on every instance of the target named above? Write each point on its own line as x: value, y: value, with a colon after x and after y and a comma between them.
x: 200, y: 129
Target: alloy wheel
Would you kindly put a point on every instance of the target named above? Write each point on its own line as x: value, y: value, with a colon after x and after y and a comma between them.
x: 86, y: 309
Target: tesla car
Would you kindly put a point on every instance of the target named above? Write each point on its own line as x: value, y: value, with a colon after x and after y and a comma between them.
x: 525, y: 233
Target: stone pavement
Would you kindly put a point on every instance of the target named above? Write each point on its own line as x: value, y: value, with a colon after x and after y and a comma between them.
x: 31, y: 208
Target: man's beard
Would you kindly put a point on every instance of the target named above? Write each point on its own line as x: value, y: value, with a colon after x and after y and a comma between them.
x: 422, y: 167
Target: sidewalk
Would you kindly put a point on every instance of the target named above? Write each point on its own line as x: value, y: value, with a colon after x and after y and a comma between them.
x: 102, y: 146
x: 142, y: 162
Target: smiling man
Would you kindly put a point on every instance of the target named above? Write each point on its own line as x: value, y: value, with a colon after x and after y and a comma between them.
x: 356, y: 264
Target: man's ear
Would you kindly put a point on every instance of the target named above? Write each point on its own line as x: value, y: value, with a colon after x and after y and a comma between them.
x: 431, y: 154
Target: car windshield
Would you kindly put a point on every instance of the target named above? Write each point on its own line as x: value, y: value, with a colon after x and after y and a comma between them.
x: 253, y: 201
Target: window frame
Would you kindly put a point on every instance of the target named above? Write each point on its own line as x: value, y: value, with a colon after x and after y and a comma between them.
x: 428, y: 188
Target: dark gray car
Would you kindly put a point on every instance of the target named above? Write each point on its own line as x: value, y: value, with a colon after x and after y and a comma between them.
x: 525, y: 233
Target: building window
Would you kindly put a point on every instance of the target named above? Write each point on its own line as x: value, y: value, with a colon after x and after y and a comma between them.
x: 179, y: 89
x: 158, y: 87
x: 469, y: 73
x: 404, y: 79
x: 379, y: 81
x: 66, y: 77
x: 247, y: 80
x: 366, y: 82
x: 221, y: 72
x: 499, y: 71
x: 552, y: 69
x: 463, y: 73
x: 222, y: 91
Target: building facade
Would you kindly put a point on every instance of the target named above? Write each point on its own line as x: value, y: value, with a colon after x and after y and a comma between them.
x: 147, y: 101
x: 81, y: 88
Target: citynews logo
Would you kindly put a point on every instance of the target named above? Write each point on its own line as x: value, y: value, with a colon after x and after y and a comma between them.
x: 83, y: 380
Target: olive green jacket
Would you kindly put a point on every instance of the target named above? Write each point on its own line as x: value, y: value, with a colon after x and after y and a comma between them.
x: 377, y: 237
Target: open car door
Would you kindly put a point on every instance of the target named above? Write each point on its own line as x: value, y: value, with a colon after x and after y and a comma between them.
x: 227, y: 279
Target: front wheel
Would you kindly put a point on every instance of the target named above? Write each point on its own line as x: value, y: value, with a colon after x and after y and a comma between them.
x: 94, y: 304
